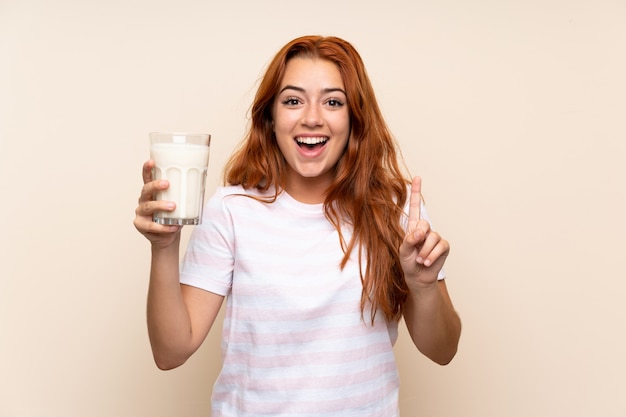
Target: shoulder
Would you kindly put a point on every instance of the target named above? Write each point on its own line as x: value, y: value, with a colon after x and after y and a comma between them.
x: 228, y: 205
x: 223, y: 192
x: 239, y: 190
x: 236, y: 196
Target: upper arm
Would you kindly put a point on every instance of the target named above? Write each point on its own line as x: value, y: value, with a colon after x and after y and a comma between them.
x: 203, y: 307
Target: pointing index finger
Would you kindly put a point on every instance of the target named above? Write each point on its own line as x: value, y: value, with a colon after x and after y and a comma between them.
x: 415, y: 203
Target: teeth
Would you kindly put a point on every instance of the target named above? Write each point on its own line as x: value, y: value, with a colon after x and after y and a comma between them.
x: 311, y: 141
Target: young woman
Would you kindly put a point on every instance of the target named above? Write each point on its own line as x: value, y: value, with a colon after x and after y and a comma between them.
x: 319, y: 244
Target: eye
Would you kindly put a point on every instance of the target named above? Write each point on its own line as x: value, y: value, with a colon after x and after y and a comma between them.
x: 291, y: 101
x: 333, y: 102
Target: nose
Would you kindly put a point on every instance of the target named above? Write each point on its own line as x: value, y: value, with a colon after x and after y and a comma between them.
x: 312, y: 116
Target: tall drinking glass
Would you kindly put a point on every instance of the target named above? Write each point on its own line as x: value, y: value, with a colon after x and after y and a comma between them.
x: 182, y: 159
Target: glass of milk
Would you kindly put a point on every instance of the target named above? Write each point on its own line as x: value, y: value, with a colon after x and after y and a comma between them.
x: 182, y: 159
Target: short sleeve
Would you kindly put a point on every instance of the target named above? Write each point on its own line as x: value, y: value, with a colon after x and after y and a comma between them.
x: 209, y: 258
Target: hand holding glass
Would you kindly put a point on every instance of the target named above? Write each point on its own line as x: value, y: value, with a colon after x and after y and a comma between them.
x: 181, y: 159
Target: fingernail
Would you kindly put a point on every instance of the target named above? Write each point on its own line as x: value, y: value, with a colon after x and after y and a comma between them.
x: 419, y: 260
x: 427, y: 262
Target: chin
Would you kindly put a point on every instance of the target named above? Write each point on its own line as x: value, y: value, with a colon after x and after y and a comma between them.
x: 311, y: 174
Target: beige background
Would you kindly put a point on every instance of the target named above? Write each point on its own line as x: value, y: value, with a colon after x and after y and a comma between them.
x: 512, y: 111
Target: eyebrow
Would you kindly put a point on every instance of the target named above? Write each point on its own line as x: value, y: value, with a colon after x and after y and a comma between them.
x: 302, y: 90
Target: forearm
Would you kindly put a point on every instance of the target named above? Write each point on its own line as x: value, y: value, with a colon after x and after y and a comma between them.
x: 169, y: 325
x: 433, y: 324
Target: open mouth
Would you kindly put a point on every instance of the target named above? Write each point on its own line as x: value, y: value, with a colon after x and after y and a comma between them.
x: 311, y: 142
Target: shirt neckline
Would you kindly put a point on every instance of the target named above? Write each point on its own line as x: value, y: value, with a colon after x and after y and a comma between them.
x: 287, y: 200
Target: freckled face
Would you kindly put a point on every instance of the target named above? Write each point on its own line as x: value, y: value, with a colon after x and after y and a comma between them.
x: 311, y: 121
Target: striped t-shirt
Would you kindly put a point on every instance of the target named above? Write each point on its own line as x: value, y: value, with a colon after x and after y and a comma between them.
x: 294, y: 340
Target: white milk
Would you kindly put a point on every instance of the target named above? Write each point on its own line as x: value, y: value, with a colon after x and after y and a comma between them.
x: 184, y: 165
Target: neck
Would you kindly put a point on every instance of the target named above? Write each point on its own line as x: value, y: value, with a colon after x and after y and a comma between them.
x: 307, y: 190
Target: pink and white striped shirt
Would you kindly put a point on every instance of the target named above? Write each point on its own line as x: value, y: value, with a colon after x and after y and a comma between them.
x: 294, y: 341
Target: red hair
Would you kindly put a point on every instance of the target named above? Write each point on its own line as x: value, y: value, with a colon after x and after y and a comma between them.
x: 368, y: 192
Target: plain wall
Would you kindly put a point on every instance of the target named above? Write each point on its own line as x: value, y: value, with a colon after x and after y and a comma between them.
x: 513, y: 112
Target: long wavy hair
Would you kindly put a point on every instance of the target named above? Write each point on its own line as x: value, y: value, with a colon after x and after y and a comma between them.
x: 369, y: 190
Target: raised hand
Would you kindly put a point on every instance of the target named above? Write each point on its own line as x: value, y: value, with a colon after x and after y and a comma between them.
x: 423, y: 251
x: 160, y: 235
